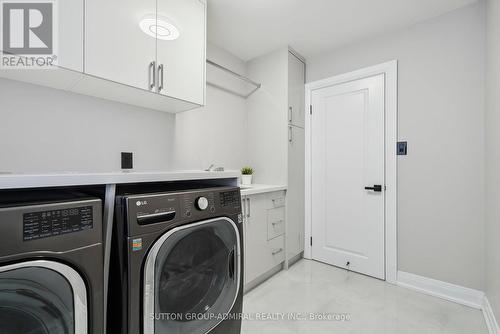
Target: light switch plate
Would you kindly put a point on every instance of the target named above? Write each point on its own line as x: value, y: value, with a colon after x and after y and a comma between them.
x: 402, y: 148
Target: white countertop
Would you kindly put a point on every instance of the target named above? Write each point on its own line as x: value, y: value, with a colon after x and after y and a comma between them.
x: 19, y: 181
x: 260, y: 188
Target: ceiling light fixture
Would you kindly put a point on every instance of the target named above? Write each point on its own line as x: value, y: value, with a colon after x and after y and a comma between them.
x: 159, y: 27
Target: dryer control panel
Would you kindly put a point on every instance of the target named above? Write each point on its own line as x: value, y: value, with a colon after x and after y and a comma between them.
x: 183, y: 206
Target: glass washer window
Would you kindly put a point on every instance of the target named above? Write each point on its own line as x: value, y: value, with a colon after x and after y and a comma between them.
x: 36, y: 298
x: 196, y: 277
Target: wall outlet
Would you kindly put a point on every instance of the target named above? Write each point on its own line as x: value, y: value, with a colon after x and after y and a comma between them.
x: 127, y: 160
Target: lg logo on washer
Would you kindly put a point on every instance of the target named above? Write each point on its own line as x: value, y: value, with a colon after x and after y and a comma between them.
x: 140, y: 203
x: 28, y: 34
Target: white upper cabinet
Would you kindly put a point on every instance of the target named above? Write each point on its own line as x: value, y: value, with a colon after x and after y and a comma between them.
x: 116, y: 48
x: 181, y: 52
x: 70, y: 34
x: 148, y: 53
x: 296, y: 81
x: 155, y: 45
x: 69, y: 45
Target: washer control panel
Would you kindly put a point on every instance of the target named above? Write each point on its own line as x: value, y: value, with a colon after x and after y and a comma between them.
x: 44, y: 224
x: 185, y: 205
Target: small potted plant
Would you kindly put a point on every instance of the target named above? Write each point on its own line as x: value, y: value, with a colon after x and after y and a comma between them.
x: 246, y: 175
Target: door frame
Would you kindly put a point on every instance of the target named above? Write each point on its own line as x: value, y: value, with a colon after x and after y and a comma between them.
x: 390, y: 70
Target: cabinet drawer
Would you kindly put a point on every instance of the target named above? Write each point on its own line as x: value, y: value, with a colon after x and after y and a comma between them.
x: 276, y: 200
x: 275, y: 222
x: 277, y: 250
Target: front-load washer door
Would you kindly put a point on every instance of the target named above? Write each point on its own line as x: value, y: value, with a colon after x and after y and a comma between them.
x: 42, y: 297
x: 191, y: 278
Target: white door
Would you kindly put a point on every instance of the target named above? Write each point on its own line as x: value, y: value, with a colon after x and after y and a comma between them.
x: 348, y: 157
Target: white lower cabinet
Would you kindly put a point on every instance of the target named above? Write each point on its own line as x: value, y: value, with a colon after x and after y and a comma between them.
x: 264, y: 227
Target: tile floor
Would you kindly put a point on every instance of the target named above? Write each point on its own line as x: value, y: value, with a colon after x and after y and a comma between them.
x: 372, y: 305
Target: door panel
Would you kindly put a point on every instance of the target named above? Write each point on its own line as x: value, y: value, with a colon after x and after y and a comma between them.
x: 347, y: 156
x: 257, y: 260
x: 115, y: 46
x: 194, y: 270
x: 70, y: 34
x: 296, y: 79
x: 183, y: 59
x: 42, y: 297
x: 295, y: 193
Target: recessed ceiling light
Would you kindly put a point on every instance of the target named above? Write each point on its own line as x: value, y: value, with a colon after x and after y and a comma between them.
x: 159, y: 27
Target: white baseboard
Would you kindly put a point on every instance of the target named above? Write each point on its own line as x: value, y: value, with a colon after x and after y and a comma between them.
x: 455, y: 293
x: 489, y: 316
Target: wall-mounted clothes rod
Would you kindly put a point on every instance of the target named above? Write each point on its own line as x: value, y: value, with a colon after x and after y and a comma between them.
x: 237, y: 75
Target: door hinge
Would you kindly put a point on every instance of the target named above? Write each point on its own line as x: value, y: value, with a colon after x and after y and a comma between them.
x: 310, y: 109
x: 311, y: 241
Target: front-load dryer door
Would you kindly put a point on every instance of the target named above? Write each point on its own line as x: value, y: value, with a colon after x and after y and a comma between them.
x: 191, y: 278
x: 42, y: 297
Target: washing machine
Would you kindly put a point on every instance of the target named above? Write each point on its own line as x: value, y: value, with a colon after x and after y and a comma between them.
x: 177, y: 263
x: 51, y: 271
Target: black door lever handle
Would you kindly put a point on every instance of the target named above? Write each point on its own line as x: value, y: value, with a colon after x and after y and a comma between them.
x: 377, y: 188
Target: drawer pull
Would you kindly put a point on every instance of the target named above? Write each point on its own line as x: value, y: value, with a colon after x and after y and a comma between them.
x: 278, y: 202
x: 278, y: 251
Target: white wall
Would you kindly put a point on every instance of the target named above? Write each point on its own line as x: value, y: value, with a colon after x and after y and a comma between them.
x: 216, y: 133
x: 493, y: 157
x: 267, y: 139
x: 47, y: 130
x: 441, y: 114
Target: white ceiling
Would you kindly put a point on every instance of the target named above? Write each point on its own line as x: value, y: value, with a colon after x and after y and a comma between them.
x: 250, y: 28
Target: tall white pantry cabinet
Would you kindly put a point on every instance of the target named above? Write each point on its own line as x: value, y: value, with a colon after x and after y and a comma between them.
x: 276, y: 117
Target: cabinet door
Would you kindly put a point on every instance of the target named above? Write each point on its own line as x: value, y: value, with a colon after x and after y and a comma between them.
x: 70, y: 34
x: 115, y: 46
x: 296, y: 80
x: 295, y: 193
x: 256, y: 237
x: 69, y: 50
x: 183, y: 58
x: 245, y: 232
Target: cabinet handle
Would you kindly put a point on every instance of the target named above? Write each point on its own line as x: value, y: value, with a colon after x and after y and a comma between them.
x: 243, y: 209
x: 277, y: 251
x: 290, y: 115
x: 152, y: 75
x: 248, y: 213
x: 290, y: 134
x: 232, y: 263
x: 160, y: 78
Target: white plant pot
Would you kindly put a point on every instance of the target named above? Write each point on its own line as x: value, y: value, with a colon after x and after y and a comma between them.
x: 246, y: 180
